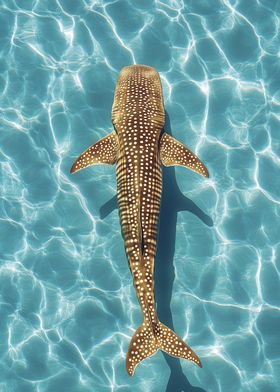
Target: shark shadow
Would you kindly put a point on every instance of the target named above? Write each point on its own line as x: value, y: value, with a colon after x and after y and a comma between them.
x: 172, y: 202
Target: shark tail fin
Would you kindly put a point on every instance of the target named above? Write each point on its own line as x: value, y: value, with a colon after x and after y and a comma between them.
x: 142, y: 345
x: 169, y: 342
x: 148, y: 339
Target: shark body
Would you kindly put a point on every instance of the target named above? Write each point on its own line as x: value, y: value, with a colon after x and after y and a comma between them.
x: 139, y: 147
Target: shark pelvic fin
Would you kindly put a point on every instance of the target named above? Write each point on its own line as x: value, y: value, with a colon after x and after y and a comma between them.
x: 172, y: 153
x: 103, y: 151
x: 148, y: 339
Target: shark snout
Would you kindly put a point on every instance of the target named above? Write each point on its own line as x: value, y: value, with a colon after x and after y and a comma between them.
x: 145, y: 70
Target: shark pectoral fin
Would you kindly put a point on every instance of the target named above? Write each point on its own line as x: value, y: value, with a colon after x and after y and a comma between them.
x: 142, y: 346
x: 172, y: 153
x: 103, y: 151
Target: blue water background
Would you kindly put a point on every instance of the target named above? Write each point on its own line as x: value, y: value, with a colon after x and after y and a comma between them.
x: 67, y: 304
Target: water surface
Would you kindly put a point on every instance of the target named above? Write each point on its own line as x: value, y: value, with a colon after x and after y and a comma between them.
x: 68, y: 306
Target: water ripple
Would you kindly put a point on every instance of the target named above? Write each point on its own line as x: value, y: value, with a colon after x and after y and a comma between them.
x: 68, y: 307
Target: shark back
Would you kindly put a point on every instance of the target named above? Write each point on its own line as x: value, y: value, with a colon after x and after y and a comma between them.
x: 138, y: 118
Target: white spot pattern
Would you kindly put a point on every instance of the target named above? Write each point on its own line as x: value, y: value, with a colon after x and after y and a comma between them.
x: 151, y: 337
x: 138, y: 118
x: 104, y: 151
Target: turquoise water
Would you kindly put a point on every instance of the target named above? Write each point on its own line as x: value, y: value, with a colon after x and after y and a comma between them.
x: 67, y: 305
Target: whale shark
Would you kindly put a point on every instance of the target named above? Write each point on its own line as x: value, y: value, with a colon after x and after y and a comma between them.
x: 139, y: 147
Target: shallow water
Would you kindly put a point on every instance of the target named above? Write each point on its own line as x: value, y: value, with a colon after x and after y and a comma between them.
x: 68, y: 307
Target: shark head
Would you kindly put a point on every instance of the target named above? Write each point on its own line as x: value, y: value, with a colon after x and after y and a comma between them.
x: 138, y: 95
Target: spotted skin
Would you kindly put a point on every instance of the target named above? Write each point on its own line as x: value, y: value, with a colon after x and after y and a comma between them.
x: 104, y: 151
x: 139, y: 148
x: 172, y: 151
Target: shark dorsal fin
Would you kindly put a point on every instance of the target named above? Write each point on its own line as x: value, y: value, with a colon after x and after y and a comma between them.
x: 173, y: 152
x: 103, y: 151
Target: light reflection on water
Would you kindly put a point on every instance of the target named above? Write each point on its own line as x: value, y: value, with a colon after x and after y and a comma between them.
x: 68, y: 307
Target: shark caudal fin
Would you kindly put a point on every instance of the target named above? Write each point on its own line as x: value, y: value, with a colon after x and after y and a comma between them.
x: 148, y: 339
x: 142, y: 345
